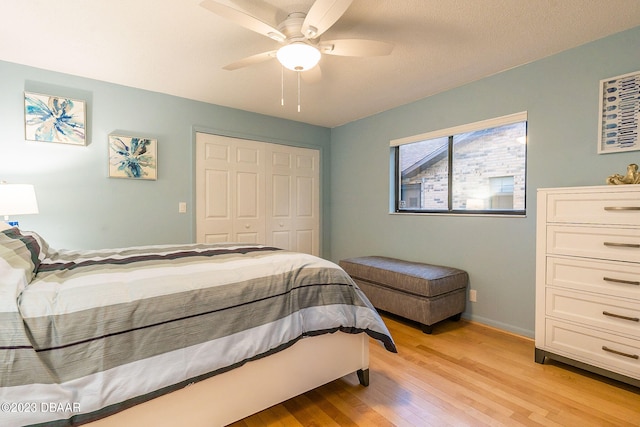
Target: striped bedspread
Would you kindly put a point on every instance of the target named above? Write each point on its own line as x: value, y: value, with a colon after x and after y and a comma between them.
x: 84, y: 334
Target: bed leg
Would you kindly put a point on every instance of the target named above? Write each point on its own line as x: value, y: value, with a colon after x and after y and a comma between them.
x: 363, y: 377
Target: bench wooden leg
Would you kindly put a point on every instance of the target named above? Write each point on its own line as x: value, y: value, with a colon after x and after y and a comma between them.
x: 427, y: 329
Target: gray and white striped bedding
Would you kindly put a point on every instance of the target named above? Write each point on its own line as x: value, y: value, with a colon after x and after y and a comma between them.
x: 84, y: 334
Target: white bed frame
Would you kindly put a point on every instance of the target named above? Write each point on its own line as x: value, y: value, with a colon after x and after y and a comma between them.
x: 257, y: 385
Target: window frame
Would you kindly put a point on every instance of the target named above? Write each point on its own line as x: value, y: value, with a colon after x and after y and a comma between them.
x: 450, y: 133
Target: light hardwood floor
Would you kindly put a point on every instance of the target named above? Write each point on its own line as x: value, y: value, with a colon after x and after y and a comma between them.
x: 464, y: 374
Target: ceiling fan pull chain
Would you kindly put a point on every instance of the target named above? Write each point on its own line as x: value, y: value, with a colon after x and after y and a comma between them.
x: 282, y: 86
x: 298, y: 91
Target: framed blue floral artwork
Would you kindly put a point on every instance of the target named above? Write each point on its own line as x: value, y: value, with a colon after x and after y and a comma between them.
x: 133, y: 157
x: 50, y: 118
x: 618, y: 127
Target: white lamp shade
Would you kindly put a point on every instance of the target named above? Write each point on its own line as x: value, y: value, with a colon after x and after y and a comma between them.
x: 17, y: 199
x: 298, y: 56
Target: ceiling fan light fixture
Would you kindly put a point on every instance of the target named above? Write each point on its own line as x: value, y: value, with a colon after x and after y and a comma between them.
x: 298, y: 56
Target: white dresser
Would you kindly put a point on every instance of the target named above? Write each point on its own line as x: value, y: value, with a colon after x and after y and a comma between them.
x: 588, y: 279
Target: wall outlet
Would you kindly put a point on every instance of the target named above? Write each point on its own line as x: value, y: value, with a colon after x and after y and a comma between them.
x: 182, y: 207
x: 473, y: 295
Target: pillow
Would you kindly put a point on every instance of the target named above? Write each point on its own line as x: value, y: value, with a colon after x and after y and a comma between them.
x: 4, y: 226
x: 24, y: 250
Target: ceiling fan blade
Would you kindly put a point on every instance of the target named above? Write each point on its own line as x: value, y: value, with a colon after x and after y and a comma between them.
x: 322, y: 15
x: 251, y: 60
x: 355, y: 47
x: 243, y: 19
x: 312, y: 75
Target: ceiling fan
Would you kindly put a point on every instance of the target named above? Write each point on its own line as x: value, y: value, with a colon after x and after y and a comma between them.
x: 300, y: 36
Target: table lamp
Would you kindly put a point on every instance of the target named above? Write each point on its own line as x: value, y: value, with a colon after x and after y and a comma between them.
x: 17, y: 199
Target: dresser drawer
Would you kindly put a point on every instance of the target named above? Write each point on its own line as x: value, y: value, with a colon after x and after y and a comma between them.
x: 617, y: 279
x: 615, y: 315
x: 616, y: 244
x: 614, y: 207
x: 594, y: 347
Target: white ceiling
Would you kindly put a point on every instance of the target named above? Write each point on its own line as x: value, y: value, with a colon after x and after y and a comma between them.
x: 179, y: 48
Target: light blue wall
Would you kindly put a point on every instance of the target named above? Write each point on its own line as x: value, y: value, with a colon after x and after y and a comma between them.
x: 560, y: 94
x: 80, y: 207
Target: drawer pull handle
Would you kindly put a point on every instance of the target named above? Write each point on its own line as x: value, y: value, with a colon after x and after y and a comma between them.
x: 610, y: 350
x: 622, y: 245
x: 622, y: 208
x: 626, y: 282
x: 619, y: 316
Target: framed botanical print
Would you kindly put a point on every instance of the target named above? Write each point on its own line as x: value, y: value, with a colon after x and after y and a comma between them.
x: 132, y: 157
x: 49, y: 118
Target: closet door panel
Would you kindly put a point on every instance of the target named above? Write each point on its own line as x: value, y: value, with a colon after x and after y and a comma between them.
x: 307, y: 201
x: 213, y: 190
x: 217, y: 201
x: 249, y: 208
x: 279, y: 223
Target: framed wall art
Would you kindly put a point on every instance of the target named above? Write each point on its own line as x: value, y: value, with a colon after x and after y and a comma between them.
x: 133, y: 157
x: 619, y: 114
x: 49, y: 118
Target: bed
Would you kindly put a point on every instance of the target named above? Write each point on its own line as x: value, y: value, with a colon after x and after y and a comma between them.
x: 188, y: 334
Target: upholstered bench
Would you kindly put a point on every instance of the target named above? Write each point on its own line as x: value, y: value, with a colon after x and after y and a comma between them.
x: 420, y: 292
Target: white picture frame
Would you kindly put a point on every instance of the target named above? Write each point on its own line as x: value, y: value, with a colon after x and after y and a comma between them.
x: 619, y: 113
x: 49, y: 118
x: 133, y: 157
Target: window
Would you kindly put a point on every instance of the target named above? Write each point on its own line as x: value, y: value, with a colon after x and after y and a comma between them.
x: 475, y: 168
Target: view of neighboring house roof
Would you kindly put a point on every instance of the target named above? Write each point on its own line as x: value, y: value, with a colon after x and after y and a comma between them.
x: 414, y: 160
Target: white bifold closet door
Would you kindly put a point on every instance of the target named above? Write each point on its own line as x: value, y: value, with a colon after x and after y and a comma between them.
x: 256, y: 192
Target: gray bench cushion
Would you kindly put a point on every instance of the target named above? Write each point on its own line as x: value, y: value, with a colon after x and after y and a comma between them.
x: 410, y: 277
x: 421, y: 292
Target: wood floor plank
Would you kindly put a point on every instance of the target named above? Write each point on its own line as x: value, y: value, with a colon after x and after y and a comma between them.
x: 464, y: 374
x: 278, y: 416
x: 360, y: 413
x: 387, y: 400
x: 308, y: 413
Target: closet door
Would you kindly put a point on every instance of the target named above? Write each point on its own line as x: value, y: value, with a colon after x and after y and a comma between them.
x: 293, y: 191
x: 230, y: 198
x: 256, y: 192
